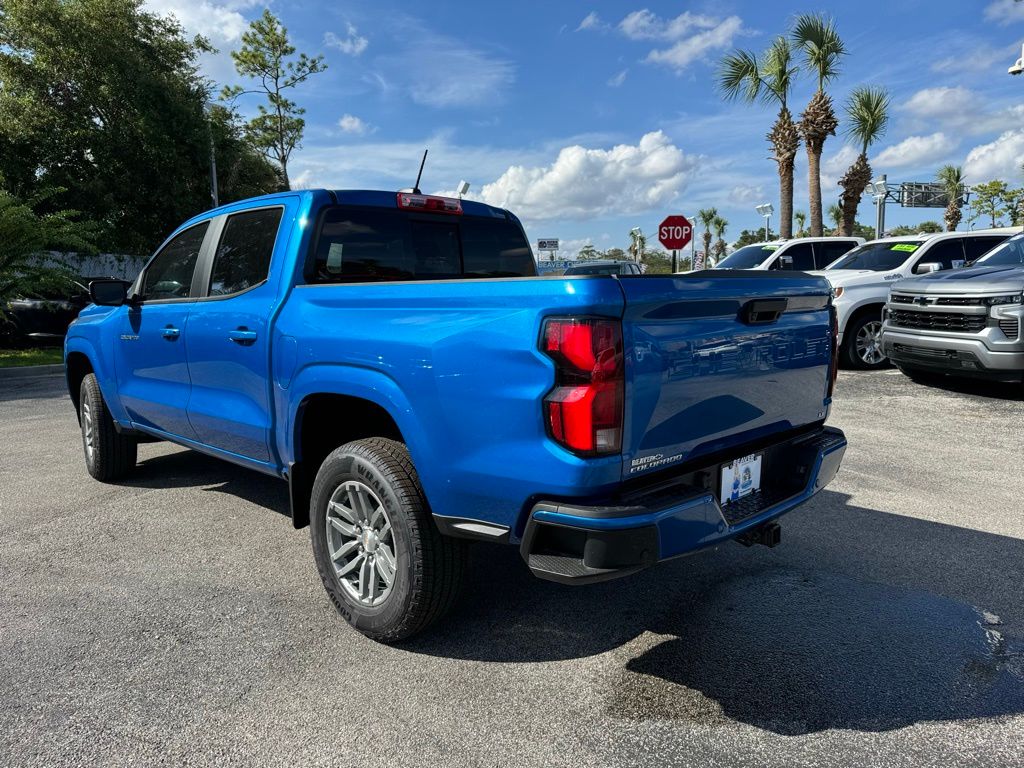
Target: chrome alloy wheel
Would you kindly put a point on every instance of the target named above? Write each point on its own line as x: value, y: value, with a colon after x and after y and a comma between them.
x: 361, y: 543
x: 88, y: 431
x: 869, y: 343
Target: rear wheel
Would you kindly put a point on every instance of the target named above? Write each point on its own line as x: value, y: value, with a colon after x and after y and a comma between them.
x: 384, y: 564
x: 109, y: 455
x: 862, y: 342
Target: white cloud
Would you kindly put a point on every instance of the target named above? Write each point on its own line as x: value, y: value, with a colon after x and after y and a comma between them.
x: 999, y: 159
x: 618, y: 79
x: 942, y: 102
x: 440, y: 71
x: 584, y: 183
x: 915, y: 150
x: 219, y: 22
x: 352, y: 124
x: 834, y: 166
x: 353, y: 43
x: 747, y: 195
x: 696, y: 46
x: 977, y: 57
x: 305, y: 180
x: 644, y: 25
x: 1005, y: 11
x: 591, y: 21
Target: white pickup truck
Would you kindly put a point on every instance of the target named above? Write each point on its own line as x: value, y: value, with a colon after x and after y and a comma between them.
x: 801, y: 254
x: 862, y: 278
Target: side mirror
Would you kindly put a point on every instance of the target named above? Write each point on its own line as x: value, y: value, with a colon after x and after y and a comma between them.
x: 785, y: 262
x: 927, y: 267
x: 109, y: 293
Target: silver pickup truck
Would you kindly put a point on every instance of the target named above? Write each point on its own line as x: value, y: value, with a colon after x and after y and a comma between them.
x: 965, y: 322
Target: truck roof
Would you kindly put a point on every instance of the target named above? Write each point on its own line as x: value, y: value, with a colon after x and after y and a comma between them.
x: 366, y: 197
x: 924, y: 236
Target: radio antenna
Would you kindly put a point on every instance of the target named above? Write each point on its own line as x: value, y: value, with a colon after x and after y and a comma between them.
x: 416, y: 186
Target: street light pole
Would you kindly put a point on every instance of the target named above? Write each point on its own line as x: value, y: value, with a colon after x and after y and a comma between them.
x: 766, y: 210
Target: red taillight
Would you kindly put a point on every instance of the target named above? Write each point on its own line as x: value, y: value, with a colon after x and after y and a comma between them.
x: 430, y: 203
x: 834, y: 373
x: 584, y: 410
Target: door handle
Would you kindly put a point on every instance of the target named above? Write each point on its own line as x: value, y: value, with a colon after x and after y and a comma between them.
x: 242, y: 336
x: 170, y: 333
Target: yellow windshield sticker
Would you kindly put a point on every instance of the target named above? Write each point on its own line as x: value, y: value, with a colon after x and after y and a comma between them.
x: 908, y: 247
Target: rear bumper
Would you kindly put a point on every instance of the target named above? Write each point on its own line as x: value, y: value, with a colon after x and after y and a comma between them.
x: 582, y: 543
x: 951, y: 354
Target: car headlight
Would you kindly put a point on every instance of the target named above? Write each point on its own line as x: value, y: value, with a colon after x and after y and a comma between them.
x: 1012, y: 298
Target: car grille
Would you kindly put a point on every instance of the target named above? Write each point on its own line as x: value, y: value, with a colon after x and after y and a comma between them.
x: 942, y: 301
x: 940, y: 321
x: 1010, y: 327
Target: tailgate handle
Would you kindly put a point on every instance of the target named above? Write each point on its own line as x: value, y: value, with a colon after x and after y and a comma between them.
x: 763, y: 311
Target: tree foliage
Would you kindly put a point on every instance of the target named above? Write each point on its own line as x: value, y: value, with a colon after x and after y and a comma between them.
x: 951, y: 177
x: 25, y: 234
x: 990, y: 200
x: 867, y: 114
x: 103, y: 100
x: 264, y: 57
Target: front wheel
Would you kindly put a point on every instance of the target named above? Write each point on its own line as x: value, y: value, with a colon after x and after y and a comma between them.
x: 862, y: 342
x: 109, y: 455
x: 386, y: 567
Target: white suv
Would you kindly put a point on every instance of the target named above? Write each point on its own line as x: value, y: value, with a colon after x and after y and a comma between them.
x: 861, y: 280
x: 801, y: 254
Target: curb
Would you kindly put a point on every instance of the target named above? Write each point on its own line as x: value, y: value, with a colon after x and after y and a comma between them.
x: 31, y: 371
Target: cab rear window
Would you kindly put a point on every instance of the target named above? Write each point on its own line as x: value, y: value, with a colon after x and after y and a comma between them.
x: 380, y: 245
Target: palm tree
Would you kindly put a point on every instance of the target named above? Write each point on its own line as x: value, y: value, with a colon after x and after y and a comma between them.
x: 951, y: 177
x: 706, y: 216
x: 868, y: 112
x: 719, y: 224
x: 638, y: 242
x: 816, y: 36
x: 835, y: 215
x: 801, y: 222
x: 742, y: 76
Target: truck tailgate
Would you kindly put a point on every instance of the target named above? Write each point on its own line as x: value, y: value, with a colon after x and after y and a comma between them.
x: 715, y: 360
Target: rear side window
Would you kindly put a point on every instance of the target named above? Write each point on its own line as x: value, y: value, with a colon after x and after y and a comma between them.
x: 829, y: 252
x: 976, y: 247
x: 366, y: 245
x: 948, y: 253
x: 169, y: 274
x: 243, y: 256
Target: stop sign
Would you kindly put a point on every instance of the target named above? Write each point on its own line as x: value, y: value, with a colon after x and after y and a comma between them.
x: 675, y: 232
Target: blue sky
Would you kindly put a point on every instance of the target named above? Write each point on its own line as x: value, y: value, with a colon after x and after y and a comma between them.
x: 590, y: 118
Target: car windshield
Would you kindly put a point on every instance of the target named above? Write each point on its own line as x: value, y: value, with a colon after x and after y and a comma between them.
x: 747, y: 257
x: 878, y: 256
x: 1007, y: 252
x: 594, y: 269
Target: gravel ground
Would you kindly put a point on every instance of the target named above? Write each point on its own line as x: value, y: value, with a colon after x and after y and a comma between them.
x: 178, y: 619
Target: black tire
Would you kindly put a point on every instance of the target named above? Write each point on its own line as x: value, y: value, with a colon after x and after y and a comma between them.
x: 429, y: 567
x: 857, y: 324
x: 112, y: 455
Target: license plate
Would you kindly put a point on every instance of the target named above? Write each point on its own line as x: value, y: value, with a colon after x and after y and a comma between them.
x: 741, y: 478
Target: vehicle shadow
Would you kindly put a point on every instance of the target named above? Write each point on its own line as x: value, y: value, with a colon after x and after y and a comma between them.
x: 861, y: 620
x: 188, y: 469
x: 996, y: 390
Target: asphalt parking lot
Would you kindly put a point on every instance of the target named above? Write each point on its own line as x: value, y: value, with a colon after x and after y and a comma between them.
x: 178, y: 619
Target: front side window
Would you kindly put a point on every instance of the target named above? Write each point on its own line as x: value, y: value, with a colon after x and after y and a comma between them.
x: 169, y: 274
x: 976, y: 247
x: 243, y: 255
x: 802, y: 255
x: 949, y: 253
x: 830, y: 251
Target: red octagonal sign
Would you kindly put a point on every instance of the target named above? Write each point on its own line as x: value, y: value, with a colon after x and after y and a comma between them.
x: 675, y: 232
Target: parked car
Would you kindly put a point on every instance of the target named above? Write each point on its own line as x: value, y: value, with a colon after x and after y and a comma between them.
x: 604, y: 267
x: 369, y: 348
x: 965, y: 323
x: 802, y: 253
x: 43, y: 317
x: 862, y: 279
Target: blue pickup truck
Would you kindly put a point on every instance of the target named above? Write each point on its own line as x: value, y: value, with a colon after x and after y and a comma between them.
x: 396, y: 359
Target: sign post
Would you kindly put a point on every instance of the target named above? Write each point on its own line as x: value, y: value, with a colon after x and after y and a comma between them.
x: 674, y: 233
